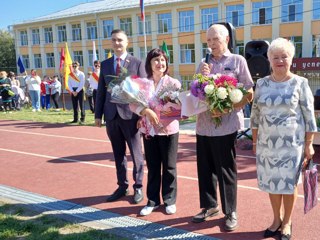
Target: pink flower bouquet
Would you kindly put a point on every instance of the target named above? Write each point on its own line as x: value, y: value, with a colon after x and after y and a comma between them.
x: 219, y: 92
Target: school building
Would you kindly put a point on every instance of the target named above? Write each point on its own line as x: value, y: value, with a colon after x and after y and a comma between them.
x: 181, y: 24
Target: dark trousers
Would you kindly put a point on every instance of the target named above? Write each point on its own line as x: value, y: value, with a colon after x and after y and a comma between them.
x: 90, y: 101
x: 161, y: 153
x: 45, y: 101
x: 55, y: 98
x: 216, y: 163
x: 120, y: 133
x: 76, y: 102
x: 94, y: 95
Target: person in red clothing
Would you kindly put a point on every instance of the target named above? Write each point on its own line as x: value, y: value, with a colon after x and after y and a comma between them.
x: 45, y: 92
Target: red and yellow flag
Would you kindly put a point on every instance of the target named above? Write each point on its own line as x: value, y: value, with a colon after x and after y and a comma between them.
x: 67, y: 66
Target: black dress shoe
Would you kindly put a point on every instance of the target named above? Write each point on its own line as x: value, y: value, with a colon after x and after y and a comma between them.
x: 286, y: 236
x: 204, y: 214
x: 138, y: 195
x: 268, y: 233
x: 231, y: 221
x: 119, y: 193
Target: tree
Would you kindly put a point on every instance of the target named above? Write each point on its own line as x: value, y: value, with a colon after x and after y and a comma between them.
x: 7, y: 52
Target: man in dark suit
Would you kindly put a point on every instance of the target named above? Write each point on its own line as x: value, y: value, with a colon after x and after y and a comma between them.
x: 121, y: 123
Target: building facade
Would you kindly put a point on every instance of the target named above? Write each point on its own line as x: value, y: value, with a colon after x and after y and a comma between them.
x: 181, y: 24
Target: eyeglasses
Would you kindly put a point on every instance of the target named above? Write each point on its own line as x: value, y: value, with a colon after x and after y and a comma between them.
x: 75, y: 66
x: 96, y: 65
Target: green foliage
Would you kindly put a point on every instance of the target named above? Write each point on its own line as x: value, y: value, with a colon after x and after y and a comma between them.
x: 26, y: 224
x: 7, y: 52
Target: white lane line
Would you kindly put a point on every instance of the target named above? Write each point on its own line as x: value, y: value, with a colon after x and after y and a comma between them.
x: 111, y: 166
x: 57, y: 136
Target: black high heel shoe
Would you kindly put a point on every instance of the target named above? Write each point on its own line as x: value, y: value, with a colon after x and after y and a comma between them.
x: 268, y: 233
x: 287, y: 236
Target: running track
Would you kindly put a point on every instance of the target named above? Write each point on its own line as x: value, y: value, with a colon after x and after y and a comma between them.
x: 75, y: 164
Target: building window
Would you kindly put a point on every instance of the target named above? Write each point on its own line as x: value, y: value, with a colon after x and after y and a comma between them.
x: 35, y: 36
x: 126, y: 25
x: 130, y: 51
x: 297, y: 41
x: 76, y: 32
x: 187, y: 54
x: 316, y: 9
x: 37, y: 61
x: 147, y: 24
x: 25, y: 60
x: 204, y: 50
x: 78, y: 56
x: 50, y: 60
x: 262, y: 12
x: 170, y: 50
x: 164, y: 23
x: 291, y: 10
x: 235, y: 15
x: 23, y: 38
x: 186, y: 81
x: 62, y: 33
x: 48, y: 35
x: 90, y: 57
x: 186, y: 21
x: 208, y: 17
x: 107, y: 26
x: 239, y: 48
x: 316, y: 46
x: 143, y: 54
x: 108, y: 53
x: 92, y: 30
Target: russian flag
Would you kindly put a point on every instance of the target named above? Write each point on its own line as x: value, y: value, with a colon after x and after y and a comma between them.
x: 142, y: 9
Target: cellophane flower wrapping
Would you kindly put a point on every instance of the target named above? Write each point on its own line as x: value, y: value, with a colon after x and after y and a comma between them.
x: 131, y: 90
x: 167, y: 102
x: 218, y: 91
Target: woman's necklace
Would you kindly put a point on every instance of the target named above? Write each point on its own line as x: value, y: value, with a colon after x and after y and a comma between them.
x: 282, y: 80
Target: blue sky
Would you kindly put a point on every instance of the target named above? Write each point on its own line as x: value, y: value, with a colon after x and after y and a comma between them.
x: 15, y: 11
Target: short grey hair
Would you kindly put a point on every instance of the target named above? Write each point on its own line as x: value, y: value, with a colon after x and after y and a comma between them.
x: 283, y: 45
x: 221, y: 29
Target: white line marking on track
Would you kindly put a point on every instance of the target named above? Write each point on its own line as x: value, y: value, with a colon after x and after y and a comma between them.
x: 111, y: 166
x: 58, y: 136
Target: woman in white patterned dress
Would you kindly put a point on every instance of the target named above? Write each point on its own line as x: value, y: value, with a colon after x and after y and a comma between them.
x: 283, y: 125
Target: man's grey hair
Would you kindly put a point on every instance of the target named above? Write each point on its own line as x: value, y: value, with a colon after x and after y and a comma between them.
x: 221, y: 29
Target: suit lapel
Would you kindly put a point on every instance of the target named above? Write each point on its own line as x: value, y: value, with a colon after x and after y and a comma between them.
x: 127, y: 61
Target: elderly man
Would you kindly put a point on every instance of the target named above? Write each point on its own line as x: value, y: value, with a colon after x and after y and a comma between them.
x: 216, y: 144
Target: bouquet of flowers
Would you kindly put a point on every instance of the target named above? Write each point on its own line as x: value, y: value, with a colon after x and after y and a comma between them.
x: 167, y: 102
x: 219, y: 92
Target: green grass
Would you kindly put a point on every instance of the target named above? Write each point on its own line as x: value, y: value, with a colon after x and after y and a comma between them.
x: 18, y: 222
x: 52, y: 116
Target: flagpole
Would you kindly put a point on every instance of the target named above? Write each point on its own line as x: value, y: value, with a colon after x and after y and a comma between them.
x: 144, y: 35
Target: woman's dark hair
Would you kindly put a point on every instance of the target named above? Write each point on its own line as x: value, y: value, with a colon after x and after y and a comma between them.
x: 156, y: 52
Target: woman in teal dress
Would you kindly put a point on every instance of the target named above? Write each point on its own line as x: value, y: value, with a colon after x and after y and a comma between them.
x: 283, y: 125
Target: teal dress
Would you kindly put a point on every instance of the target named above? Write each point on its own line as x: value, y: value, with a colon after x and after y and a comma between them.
x: 282, y: 112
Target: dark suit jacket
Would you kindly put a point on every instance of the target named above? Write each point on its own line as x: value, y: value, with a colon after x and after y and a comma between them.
x: 103, y: 104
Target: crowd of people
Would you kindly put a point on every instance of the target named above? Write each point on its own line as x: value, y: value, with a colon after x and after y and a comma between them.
x: 39, y: 91
x: 282, y: 123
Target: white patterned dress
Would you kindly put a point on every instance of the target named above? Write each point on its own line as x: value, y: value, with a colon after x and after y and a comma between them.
x: 282, y: 112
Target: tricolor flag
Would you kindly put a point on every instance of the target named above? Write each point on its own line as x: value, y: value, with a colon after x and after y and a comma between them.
x: 20, y: 64
x: 142, y: 9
